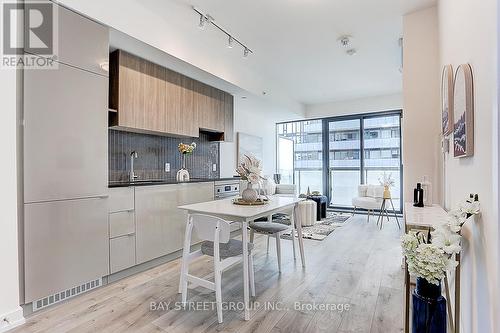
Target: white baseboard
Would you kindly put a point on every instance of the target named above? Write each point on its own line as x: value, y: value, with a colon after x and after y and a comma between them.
x: 11, y: 319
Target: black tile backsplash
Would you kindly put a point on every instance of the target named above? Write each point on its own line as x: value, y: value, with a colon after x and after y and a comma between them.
x: 154, y: 151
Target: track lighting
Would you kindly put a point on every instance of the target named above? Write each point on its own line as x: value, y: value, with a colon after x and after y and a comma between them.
x: 206, y: 19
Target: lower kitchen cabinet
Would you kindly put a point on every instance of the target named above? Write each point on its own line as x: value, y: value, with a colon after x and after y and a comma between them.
x: 121, y: 253
x: 66, y: 243
x: 121, y: 223
x: 160, y: 225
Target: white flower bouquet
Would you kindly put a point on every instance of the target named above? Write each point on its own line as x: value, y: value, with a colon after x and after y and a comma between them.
x: 386, y: 180
x: 250, y: 169
x: 430, y: 257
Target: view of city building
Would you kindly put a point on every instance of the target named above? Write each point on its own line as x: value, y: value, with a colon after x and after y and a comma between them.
x: 380, y: 145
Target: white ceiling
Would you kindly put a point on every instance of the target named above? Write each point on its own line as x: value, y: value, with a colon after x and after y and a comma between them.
x: 297, y: 58
x: 295, y: 42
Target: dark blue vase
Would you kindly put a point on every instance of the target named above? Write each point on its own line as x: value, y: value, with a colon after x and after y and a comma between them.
x: 429, y: 308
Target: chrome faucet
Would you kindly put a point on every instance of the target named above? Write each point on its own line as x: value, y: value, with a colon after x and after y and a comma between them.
x: 132, y: 176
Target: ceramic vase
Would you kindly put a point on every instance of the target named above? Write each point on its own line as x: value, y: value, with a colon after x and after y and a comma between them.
x: 249, y: 194
x: 387, y: 192
x: 429, y: 308
x: 183, y: 173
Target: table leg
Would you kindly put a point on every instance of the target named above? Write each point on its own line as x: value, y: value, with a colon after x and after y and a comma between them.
x: 301, y: 240
x: 448, y: 302
x: 292, y: 224
x: 381, y: 214
x: 395, y: 215
x: 407, y: 299
x: 457, y: 295
x: 246, y: 279
x: 386, y: 213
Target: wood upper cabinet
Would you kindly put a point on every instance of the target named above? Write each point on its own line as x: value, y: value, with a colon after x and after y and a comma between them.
x: 126, y: 95
x: 209, y: 104
x: 173, y: 96
x: 228, y: 117
x: 147, y: 97
x: 189, y: 117
x: 217, y: 109
x: 181, y: 118
x: 202, y: 104
x: 155, y: 92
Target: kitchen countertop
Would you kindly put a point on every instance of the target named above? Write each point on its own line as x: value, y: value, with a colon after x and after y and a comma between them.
x: 112, y: 184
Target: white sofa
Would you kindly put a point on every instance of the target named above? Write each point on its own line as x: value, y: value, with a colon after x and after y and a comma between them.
x: 369, y: 197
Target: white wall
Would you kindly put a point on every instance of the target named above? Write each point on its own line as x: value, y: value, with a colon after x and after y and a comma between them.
x: 255, y: 116
x: 421, y: 87
x: 354, y: 106
x: 9, y: 276
x: 469, y: 34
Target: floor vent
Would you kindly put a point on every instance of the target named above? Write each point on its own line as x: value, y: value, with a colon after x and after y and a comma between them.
x: 65, y: 294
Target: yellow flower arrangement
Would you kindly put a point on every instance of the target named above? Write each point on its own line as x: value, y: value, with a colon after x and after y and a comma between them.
x: 186, y: 149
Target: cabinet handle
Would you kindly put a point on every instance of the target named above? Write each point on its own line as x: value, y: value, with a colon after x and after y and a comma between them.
x: 104, y: 196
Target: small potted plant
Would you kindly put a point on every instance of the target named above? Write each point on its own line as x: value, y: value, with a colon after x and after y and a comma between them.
x: 250, y: 169
x: 184, y: 149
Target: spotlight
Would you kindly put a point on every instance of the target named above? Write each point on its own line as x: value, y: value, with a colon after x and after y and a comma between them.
x: 230, y: 42
x: 245, y: 53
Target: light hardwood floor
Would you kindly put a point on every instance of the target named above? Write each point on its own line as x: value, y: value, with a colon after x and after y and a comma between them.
x: 358, y: 264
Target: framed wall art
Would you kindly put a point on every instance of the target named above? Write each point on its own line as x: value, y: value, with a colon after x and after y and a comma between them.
x: 463, y: 112
x: 447, y: 100
x: 250, y: 145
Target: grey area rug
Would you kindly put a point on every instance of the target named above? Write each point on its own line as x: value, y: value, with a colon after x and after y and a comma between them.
x: 320, y: 230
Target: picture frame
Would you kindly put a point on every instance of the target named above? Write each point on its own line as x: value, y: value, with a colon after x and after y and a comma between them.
x: 250, y: 145
x: 463, y: 112
x: 447, y: 100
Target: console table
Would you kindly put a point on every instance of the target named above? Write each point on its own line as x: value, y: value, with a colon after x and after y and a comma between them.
x: 427, y: 218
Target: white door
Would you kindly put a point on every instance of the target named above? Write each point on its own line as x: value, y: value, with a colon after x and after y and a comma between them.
x: 286, y: 160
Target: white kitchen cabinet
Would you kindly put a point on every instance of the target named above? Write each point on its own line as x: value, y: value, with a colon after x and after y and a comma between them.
x: 121, y: 223
x: 121, y: 199
x: 160, y: 224
x: 66, y: 243
x: 121, y: 253
x: 156, y: 217
x: 65, y: 134
x: 81, y: 42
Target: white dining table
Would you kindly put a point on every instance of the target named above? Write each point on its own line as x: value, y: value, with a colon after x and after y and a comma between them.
x: 229, y: 211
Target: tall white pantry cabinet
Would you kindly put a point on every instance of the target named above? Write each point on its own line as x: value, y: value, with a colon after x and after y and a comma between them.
x: 65, y: 162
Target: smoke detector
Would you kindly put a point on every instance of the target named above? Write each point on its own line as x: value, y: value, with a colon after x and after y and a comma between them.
x: 345, y: 41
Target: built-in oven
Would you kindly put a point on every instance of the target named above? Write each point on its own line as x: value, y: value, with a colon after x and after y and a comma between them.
x: 226, y: 189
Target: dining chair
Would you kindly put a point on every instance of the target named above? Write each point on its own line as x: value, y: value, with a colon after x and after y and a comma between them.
x: 215, y: 233
x: 273, y: 229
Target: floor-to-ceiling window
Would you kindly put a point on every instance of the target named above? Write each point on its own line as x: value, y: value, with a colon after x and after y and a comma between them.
x: 335, y: 155
x: 308, y: 153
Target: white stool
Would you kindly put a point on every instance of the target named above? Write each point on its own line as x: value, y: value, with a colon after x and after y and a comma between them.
x: 307, y: 212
